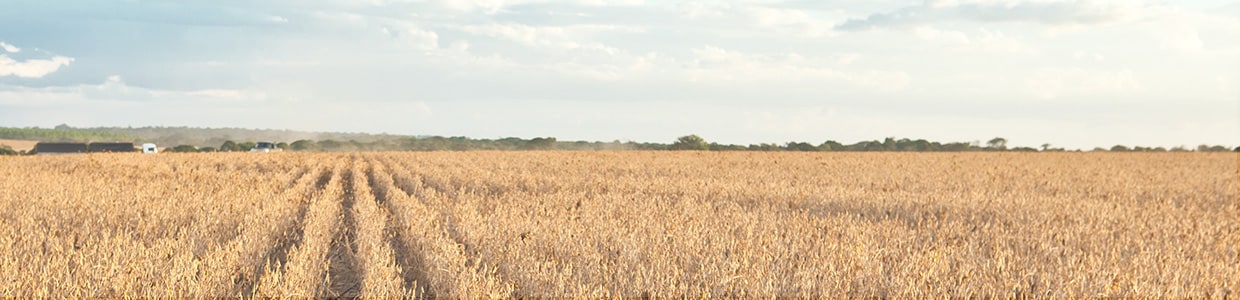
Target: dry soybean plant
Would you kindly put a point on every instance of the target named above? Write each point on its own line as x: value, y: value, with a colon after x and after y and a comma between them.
x: 621, y: 224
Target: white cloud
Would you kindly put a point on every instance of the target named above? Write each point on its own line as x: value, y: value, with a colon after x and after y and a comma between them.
x: 419, y: 109
x: 741, y: 17
x: 714, y: 64
x: 798, y: 122
x: 114, y: 90
x: 403, y: 33
x: 703, y: 9
x: 412, y: 35
x: 9, y: 48
x: 933, y: 34
x: 492, y: 7
x: 555, y: 37
x: 1053, y: 83
x: 1052, y: 12
x: 114, y: 102
x: 1088, y: 56
x: 33, y: 68
x: 524, y: 34
x: 984, y: 41
x: 846, y: 58
x: 1178, y: 31
x: 795, y: 21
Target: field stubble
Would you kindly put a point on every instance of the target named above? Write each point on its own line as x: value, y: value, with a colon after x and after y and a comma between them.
x: 621, y: 224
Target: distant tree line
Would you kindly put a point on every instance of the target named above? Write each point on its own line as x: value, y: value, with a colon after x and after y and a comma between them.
x: 1200, y: 148
x: 694, y: 142
x: 161, y: 135
x: 227, y: 146
x: 212, y: 137
x: 688, y: 142
x: 189, y: 139
x: 434, y: 143
x: 64, y: 134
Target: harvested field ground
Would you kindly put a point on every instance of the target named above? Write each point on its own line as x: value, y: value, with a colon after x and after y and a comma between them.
x: 18, y: 145
x: 621, y: 224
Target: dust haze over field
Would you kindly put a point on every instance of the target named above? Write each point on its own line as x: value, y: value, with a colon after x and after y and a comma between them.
x: 621, y: 224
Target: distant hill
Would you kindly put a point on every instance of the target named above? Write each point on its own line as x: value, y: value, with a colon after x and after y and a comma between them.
x: 170, y: 136
x: 64, y: 135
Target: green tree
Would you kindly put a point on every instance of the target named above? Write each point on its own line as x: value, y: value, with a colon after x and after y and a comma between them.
x: 831, y: 145
x: 540, y: 143
x: 800, y: 146
x: 183, y: 148
x: 959, y: 146
x: 997, y: 143
x: 1046, y: 146
x: 229, y: 146
x: 889, y: 144
x: 303, y: 145
x: 246, y: 146
x: 918, y: 145
x: 282, y: 145
x: 872, y: 146
x: 763, y: 147
x: 690, y: 142
x: 722, y: 147
x: 355, y: 145
x: 1119, y: 148
x: 330, y: 145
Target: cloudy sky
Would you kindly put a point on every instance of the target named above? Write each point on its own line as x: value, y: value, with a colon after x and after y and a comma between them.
x: 1072, y: 73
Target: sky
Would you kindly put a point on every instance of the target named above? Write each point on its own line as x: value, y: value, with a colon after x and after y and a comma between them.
x: 1071, y: 73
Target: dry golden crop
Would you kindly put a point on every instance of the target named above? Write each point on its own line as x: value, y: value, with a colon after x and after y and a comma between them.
x: 621, y: 224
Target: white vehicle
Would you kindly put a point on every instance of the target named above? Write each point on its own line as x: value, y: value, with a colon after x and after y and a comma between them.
x: 149, y: 148
x: 265, y: 147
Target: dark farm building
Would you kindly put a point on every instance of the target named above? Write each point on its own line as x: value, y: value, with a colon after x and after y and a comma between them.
x: 112, y: 147
x: 60, y: 148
